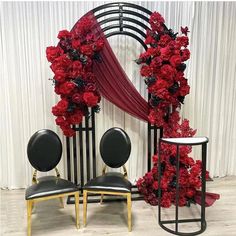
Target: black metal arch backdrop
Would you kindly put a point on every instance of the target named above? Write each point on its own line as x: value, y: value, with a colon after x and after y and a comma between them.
x: 123, y: 19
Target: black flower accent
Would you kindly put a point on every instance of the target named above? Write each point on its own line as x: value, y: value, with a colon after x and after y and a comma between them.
x: 155, y: 100
x: 71, y: 107
x: 74, y: 55
x: 181, y: 99
x: 97, y: 57
x: 173, y: 182
x: 150, y: 80
x: 79, y: 82
x: 97, y: 109
x: 181, y: 67
x: 174, y: 88
x: 83, y: 59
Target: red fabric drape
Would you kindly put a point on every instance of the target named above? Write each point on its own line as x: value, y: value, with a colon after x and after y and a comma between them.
x: 114, y: 84
x: 210, y: 198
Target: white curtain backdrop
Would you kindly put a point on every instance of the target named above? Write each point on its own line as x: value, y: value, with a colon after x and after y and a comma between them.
x: 26, y: 94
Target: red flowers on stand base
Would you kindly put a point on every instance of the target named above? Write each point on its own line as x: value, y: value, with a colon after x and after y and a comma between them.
x: 163, y: 66
x: 74, y: 81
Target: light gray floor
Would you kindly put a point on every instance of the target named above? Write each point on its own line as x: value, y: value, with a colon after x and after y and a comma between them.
x: 111, y: 218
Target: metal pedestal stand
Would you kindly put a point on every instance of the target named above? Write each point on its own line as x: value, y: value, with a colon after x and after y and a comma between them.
x: 178, y: 142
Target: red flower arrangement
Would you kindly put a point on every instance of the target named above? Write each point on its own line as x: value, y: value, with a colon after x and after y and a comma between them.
x: 73, y: 78
x: 163, y: 68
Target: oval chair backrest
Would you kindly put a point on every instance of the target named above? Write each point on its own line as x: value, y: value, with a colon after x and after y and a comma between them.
x: 115, y: 147
x: 44, y: 150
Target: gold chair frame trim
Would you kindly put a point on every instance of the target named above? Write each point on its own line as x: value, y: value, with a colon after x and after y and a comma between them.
x: 30, y: 203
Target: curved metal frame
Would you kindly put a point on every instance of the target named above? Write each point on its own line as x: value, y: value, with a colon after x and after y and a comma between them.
x: 177, y: 221
x: 122, y: 25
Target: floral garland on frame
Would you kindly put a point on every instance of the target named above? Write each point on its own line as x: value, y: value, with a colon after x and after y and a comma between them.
x: 163, y: 68
x: 74, y: 80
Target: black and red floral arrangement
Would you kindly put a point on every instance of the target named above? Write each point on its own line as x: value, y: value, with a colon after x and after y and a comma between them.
x: 163, y: 66
x: 74, y: 80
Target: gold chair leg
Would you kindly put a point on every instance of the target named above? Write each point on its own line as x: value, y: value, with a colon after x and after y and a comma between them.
x: 129, y: 211
x: 61, y: 202
x: 29, y: 211
x: 85, y: 206
x: 77, y: 209
x: 101, y: 200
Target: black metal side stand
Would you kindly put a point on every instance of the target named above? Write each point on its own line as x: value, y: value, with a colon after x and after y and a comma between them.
x: 178, y: 142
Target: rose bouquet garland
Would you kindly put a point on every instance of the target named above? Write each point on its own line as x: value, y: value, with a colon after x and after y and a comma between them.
x: 163, y: 66
x: 74, y: 80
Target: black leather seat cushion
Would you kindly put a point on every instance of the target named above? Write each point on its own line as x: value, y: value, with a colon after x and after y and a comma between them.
x: 48, y: 186
x: 110, y: 182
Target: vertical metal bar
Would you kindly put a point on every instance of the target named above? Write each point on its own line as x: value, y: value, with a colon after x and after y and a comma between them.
x: 159, y: 181
x: 81, y: 155
x: 68, y: 158
x: 149, y: 147
x: 161, y: 132
x: 203, y: 196
x: 93, y: 144
x: 155, y: 140
x: 87, y: 147
x: 177, y: 190
x: 75, y: 159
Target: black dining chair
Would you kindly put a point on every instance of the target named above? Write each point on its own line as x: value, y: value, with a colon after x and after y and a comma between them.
x: 115, y: 147
x: 44, y: 152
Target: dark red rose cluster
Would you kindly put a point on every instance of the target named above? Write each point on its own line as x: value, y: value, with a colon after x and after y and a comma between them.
x: 163, y: 68
x: 163, y: 65
x: 71, y: 61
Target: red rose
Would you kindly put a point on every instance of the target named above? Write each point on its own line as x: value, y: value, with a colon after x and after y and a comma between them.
x: 155, y: 158
x: 61, y: 63
x: 69, y: 132
x: 61, y: 108
x: 87, y: 50
x: 61, y: 121
x: 66, y: 88
x: 184, y: 90
x: 60, y: 76
x: 90, y: 99
x: 89, y: 77
x: 90, y: 87
x: 99, y: 45
x: 165, y: 53
x: 183, y: 41
x: 154, y: 170
x: 156, y: 21
x: 185, y: 54
x: 156, y: 62
x: 76, y: 118
x: 154, y: 51
x: 53, y: 52
x: 64, y: 34
x: 83, y: 26
x: 182, y: 201
x: 190, y: 192
x: 175, y: 60
x: 76, y: 69
x: 77, y: 98
x: 166, y: 199
x: 75, y: 43
x: 155, y: 185
x: 167, y: 72
x: 164, y: 40
x: 146, y: 71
